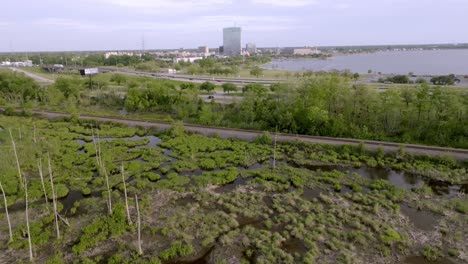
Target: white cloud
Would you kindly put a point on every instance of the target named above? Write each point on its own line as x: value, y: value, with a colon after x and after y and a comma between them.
x: 63, y: 23
x: 209, y: 23
x: 343, y: 6
x: 168, y: 7
x: 286, y: 3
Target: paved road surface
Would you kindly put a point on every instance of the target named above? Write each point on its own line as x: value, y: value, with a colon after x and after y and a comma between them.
x: 459, y: 154
x: 32, y: 75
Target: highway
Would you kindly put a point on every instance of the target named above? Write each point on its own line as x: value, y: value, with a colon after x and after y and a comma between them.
x: 249, y: 135
x: 195, y: 79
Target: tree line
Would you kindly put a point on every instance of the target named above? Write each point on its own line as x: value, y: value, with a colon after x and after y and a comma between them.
x: 322, y: 105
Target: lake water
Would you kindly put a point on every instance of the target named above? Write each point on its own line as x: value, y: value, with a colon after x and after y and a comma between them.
x: 431, y: 62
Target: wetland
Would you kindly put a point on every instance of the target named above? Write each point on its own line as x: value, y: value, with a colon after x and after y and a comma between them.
x: 211, y: 200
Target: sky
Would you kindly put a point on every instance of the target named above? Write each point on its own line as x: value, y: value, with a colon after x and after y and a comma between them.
x: 59, y: 25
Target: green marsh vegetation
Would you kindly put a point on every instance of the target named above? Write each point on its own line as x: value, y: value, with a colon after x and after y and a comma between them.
x: 217, y: 200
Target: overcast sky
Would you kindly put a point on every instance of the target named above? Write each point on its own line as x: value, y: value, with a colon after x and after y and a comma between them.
x: 52, y: 25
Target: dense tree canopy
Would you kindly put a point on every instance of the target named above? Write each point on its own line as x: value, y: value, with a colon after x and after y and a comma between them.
x: 324, y: 105
x: 17, y: 87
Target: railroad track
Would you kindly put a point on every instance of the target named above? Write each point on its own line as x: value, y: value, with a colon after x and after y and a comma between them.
x: 244, y: 134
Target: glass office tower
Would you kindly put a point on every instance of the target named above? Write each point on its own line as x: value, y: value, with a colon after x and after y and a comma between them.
x: 232, y: 41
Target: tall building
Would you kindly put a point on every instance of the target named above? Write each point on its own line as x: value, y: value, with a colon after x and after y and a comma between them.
x: 232, y: 41
x: 251, y: 48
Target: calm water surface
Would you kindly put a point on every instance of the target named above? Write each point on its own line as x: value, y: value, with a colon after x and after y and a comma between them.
x: 431, y: 62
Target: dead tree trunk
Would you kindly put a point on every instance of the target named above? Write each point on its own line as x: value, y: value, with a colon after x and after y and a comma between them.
x: 54, y: 199
x: 109, y: 194
x: 140, y: 251
x: 125, y: 194
x: 31, y: 258
x: 34, y: 134
x: 20, y: 177
x: 39, y: 166
x: 6, y: 212
x: 274, y: 150
x: 96, y: 150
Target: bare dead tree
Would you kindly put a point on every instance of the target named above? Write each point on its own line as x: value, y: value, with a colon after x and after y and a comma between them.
x: 34, y: 134
x: 54, y: 198
x: 140, y: 251
x: 109, y: 194
x: 6, y: 212
x: 99, y: 149
x: 31, y: 258
x: 125, y: 194
x: 274, y: 150
x: 39, y: 166
x: 96, y: 150
x: 20, y: 177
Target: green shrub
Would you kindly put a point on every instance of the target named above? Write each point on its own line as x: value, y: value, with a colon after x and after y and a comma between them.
x: 431, y: 253
x: 390, y: 236
x: 101, y: 228
x: 461, y: 206
x: 453, y: 252
x: 177, y: 249
x: 264, y: 139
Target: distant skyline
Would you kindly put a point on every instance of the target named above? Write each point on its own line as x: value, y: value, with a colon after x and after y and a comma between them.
x: 57, y: 25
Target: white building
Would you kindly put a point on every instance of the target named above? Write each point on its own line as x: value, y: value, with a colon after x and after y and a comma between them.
x: 306, y: 51
x: 117, y: 53
x: 187, y: 59
x: 26, y: 63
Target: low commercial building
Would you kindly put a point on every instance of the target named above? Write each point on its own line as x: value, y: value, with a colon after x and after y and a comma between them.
x: 187, y: 59
x: 203, y: 49
x: 251, y: 48
x: 26, y: 63
x: 117, y: 53
x: 306, y: 51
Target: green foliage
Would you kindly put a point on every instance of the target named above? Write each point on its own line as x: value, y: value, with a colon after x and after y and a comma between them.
x: 177, y: 130
x: 453, y: 252
x: 118, y: 78
x: 256, y: 71
x: 432, y: 253
x: 61, y: 190
x: 56, y: 259
x: 101, y: 228
x: 68, y: 86
x: 264, y: 139
x: 17, y: 87
x: 398, y: 79
x: 207, y: 86
x: 443, y: 80
x: 461, y: 205
x: 229, y: 87
x: 218, y: 177
x: 177, y: 249
x: 208, y: 164
x: 173, y: 181
x: 390, y: 237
